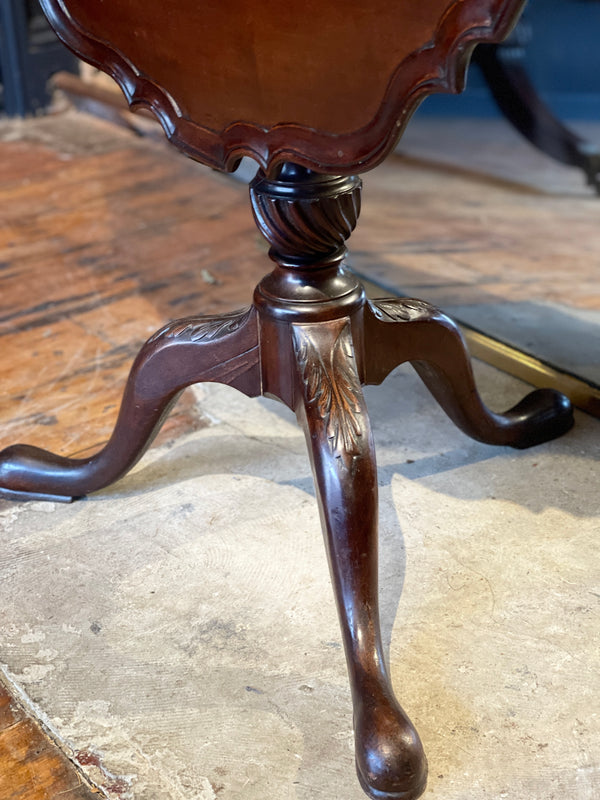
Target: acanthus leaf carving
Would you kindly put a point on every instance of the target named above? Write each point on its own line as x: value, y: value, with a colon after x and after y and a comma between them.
x: 400, y: 309
x: 198, y: 329
x: 332, y: 387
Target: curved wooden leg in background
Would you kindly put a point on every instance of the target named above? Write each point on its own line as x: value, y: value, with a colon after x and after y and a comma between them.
x: 390, y: 761
x: 398, y: 330
x: 221, y: 348
x: 504, y: 70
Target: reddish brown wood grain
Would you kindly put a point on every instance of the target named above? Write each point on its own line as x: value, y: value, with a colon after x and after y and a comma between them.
x: 327, y: 87
x: 31, y: 765
x: 103, y: 239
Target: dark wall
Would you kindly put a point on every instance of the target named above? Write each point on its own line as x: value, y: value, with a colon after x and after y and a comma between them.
x: 562, y: 57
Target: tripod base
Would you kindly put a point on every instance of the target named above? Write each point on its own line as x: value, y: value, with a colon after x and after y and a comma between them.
x: 312, y: 340
x: 317, y: 367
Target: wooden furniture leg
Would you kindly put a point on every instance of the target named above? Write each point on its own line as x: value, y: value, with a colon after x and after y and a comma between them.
x: 223, y: 349
x: 390, y: 761
x: 320, y: 339
x: 399, y: 330
x: 504, y: 70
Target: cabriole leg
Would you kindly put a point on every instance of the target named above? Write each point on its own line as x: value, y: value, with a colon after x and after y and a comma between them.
x: 222, y: 349
x: 331, y: 408
x: 399, y: 330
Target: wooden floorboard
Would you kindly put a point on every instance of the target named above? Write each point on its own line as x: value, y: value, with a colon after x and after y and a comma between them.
x: 103, y: 238
x: 440, y: 232
x: 32, y: 767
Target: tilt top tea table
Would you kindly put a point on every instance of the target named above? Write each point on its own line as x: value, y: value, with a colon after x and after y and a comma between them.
x: 316, y: 93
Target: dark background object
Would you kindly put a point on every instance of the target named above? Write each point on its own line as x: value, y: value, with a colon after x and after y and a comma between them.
x: 30, y: 54
x: 561, y: 57
x: 504, y: 68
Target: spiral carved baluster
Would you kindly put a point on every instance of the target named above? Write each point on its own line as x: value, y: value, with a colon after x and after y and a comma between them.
x: 305, y: 216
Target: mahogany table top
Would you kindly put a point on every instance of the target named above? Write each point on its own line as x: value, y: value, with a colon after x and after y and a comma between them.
x: 326, y: 85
